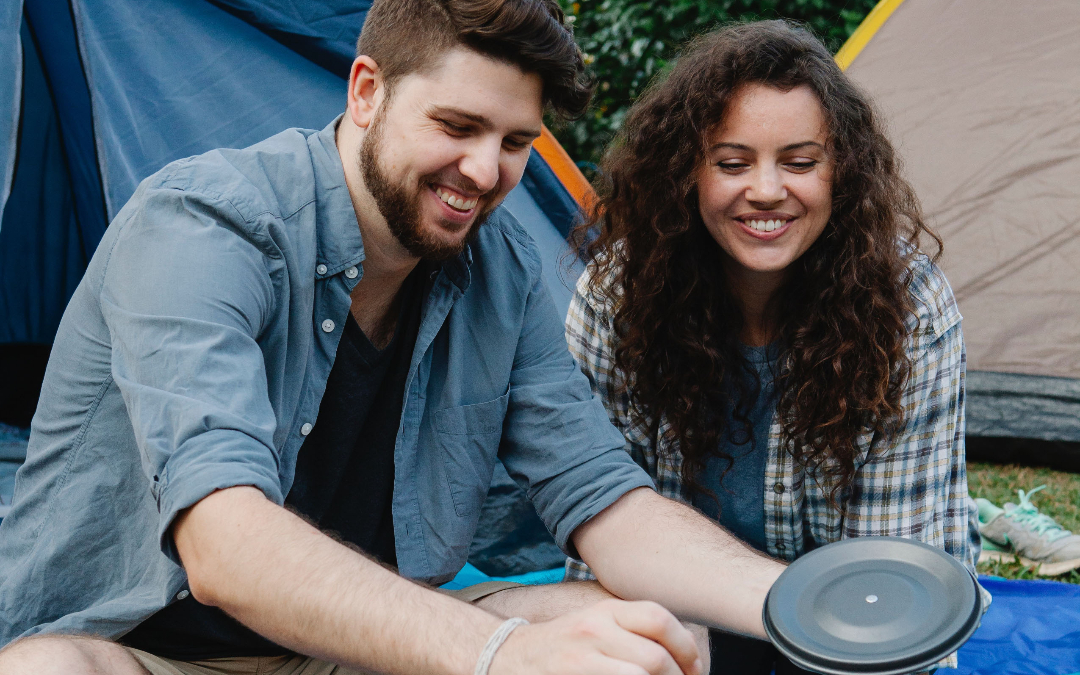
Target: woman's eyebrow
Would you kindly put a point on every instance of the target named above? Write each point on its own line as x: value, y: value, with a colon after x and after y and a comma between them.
x: 733, y: 146
x: 747, y: 148
x: 798, y: 146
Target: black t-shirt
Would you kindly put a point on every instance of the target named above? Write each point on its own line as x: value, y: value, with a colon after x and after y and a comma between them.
x: 344, y: 482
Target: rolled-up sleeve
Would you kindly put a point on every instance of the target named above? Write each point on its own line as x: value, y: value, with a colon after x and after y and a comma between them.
x: 184, y: 298
x: 557, y: 439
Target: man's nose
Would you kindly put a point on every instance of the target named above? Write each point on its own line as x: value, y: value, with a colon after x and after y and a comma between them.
x: 766, y: 186
x: 481, y: 164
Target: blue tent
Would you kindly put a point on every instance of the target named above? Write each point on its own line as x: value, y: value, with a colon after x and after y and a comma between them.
x: 95, y: 95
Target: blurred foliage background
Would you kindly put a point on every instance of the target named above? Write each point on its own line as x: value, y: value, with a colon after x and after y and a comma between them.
x: 627, y: 42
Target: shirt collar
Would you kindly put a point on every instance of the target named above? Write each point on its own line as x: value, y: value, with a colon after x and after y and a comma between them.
x: 458, y: 268
x: 336, y: 230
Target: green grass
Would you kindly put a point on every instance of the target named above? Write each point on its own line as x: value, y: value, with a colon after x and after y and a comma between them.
x: 1015, y: 569
x: 1060, y: 500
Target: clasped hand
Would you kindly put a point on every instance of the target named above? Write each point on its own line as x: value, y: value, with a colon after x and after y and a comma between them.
x: 611, y: 637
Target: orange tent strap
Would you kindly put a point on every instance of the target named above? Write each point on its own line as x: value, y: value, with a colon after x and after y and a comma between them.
x: 568, y: 173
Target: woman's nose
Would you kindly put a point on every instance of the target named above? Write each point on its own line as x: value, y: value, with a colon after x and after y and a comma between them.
x: 766, y: 186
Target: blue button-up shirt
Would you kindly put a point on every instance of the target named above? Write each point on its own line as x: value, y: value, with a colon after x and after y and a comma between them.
x: 194, y: 355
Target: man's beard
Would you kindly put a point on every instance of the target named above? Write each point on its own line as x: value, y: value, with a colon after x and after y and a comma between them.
x: 401, y: 209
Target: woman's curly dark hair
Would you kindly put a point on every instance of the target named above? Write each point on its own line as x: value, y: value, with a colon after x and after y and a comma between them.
x: 844, y: 306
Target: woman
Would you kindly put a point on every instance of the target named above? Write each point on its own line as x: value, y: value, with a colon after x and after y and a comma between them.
x: 758, y: 318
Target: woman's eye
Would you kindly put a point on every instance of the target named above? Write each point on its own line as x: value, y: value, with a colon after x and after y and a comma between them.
x: 732, y: 166
x: 803, y: 166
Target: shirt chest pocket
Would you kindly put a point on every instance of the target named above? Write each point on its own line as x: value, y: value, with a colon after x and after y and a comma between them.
x: 469, y: 437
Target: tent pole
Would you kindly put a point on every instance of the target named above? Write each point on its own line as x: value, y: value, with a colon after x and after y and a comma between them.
x: 866, y: 30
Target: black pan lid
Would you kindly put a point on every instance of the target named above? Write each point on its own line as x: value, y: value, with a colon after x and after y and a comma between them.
x: 881, y: 605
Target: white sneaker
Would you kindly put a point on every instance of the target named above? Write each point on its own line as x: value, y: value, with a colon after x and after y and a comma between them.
x: 1034, y: 536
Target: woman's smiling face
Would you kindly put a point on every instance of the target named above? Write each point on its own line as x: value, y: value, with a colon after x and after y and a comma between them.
x: 765, y: 187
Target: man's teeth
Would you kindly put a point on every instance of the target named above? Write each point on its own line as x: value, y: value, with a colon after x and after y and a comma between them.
x: 456, y: 202
x: 765, y: 225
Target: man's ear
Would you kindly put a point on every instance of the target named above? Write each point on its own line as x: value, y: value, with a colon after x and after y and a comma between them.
x: 366, y: 90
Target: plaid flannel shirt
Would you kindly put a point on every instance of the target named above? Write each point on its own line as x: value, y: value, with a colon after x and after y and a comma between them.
x: 915, y: 487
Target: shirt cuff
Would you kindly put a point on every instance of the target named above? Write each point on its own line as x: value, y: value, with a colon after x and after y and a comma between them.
x: 589, y: 488
x: 212, y: 461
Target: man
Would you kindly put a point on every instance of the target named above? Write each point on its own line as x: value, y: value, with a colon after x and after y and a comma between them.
x: 344, y: 324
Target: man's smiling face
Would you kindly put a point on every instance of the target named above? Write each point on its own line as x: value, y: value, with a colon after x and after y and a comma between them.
x: 446, y: 148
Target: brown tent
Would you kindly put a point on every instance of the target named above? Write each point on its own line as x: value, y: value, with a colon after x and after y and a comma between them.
x: 982, y: 99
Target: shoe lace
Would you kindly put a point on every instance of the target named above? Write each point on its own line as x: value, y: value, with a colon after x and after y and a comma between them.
x: 1027, y: 515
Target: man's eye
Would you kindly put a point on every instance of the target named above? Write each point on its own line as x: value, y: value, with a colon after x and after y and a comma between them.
x: 513, y: 145
x: 454, y: 128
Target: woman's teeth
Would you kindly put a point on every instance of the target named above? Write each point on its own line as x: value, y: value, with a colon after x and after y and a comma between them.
x: 765, y: 225
x: 455, y: 202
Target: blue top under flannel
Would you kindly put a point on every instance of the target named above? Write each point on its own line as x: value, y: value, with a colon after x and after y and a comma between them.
x: 737, y: 500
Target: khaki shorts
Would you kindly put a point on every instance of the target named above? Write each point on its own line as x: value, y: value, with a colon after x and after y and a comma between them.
x: 249, y: 665
x: 285, y: 665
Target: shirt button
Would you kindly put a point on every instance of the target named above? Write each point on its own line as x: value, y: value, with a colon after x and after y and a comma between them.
x: 328, y: 326
x: 351, y: 273
x: 778, y: 488
x: 182, y: 594
x: 306, y: 429
x: 321, y: 269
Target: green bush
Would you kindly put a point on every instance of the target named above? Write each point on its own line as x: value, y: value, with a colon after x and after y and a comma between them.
x: 627, y: 42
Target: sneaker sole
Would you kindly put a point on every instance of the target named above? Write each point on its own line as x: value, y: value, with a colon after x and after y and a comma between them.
x: 1043, y: 569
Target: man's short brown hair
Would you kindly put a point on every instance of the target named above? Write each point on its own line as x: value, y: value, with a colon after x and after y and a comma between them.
x: 407, y: 36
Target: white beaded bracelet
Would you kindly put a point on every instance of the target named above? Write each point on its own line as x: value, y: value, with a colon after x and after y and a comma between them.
x: 494, y: 642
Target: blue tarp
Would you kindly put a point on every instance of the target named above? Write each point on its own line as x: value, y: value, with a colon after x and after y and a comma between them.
x: 1031, y: 628
x: 470, y: 576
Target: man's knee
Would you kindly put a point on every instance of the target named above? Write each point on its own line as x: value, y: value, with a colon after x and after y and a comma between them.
x: 67, y: 655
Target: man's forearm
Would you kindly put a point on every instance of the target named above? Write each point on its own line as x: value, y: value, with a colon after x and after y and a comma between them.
x: 650, y: 548
x: 289, y: 582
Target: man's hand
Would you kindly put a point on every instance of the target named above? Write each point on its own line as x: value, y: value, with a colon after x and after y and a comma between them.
x: 551, y: 601
x: 612, y: 637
